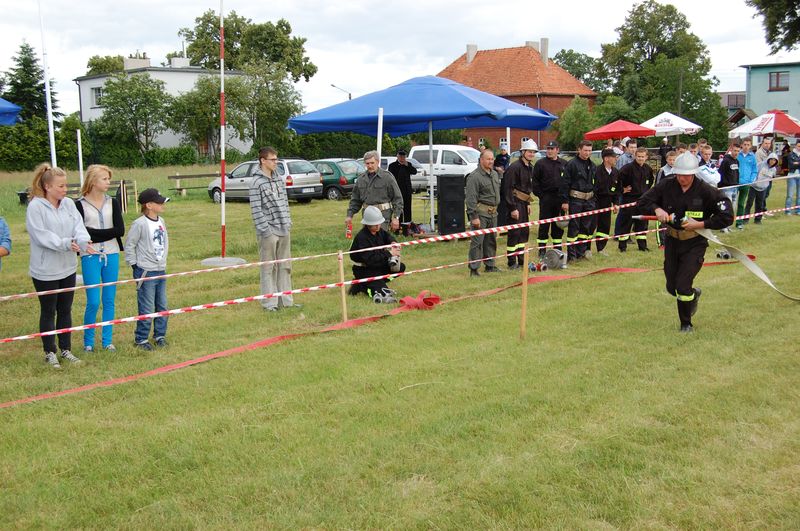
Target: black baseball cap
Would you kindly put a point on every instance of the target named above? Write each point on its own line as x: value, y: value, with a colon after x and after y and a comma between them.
x: 402, y: 152
x: 151, y: 195
x: 552, y: 144
x: 609, y: 152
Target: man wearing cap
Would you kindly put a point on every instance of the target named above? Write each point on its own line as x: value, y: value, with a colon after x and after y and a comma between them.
x: 605, y: 193
x: 634, y: 180
x: 550, y: 187
x: 269, y: 206
x: 517, y: 196
x: 483, y: 196
x: 374, y: 262
x: 501, y: 162
x: 376, y: 187
x: 579, y: 174
x: 686, y: 204
x: 402, y: 171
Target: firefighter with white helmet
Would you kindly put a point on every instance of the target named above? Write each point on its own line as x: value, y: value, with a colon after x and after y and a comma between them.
x: 517, y: 195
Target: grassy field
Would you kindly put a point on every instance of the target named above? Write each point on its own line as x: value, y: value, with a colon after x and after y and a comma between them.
x: 604, y: 417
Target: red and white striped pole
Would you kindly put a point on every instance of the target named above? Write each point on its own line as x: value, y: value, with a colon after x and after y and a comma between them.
x: 222, y: 119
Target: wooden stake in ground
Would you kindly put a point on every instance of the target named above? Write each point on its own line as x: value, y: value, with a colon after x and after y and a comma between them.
x: 343, y: 288
x: 524, y: 313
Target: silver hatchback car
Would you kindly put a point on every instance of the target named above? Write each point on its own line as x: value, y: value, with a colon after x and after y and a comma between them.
x: 303, y: 181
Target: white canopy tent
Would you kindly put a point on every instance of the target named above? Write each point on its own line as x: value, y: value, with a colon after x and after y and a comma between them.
x: 668, y: 124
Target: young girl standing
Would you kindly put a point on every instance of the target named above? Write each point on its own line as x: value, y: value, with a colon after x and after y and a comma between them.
x: 146, y: 252
x: 57, y: 233
x: 102, y: 216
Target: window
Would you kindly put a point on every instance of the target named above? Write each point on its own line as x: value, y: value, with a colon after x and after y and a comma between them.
x: 470, y: 155
x: 422, y: 155
x: 350, y: 166
x: 736, y: 100
x: 778, y: 81
x: 323, y: 168
x: 97, y: 97
x: 450, y: 157
x: 525, y: 139
x: 481, y: 142
x: 301, y: 166
x: 502, y: 140
x: 241, y: 171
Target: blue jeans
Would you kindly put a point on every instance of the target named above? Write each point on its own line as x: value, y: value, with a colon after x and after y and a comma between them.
x: 97, y: 268
x: 793, y: 194
x: 151, y: 296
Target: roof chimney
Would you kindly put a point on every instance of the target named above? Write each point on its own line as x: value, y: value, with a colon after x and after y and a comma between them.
x: 532, y: 44
x: 545, y: 43
x: 472, y: 51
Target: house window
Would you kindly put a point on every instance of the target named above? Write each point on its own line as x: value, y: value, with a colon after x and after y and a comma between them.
x: 97, y: 97
x: 481, y: 142
x: 502, y: 140
x: 735, y: 101
x: 525, y: 138
x: 778, y: 81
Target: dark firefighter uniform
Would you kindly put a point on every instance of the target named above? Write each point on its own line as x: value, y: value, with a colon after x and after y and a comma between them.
x: 371, y: 263
x: 517, y: 196
x: 549, y: 186
x: 579, y: 176
x: 640, y: 179
x: 483, y: 196
x: 402, y: 175
x: 684, y: 250
x: 605, y: 193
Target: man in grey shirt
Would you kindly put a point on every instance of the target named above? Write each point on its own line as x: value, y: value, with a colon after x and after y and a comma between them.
x: 269, y: 206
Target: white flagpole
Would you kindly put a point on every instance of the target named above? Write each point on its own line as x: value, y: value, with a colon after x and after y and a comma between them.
x: 80, y: 156
x: 380, y: 133
x: 48, y: 100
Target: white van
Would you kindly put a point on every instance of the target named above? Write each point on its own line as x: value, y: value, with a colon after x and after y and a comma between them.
x: 448, y: 159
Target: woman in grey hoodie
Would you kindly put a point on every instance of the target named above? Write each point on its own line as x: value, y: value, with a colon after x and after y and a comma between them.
x: 57, y: 233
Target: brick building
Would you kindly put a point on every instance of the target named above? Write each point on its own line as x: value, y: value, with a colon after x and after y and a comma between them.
x: 525, y: 75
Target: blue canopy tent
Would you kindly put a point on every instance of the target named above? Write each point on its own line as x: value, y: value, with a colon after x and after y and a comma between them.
x: 8, y: 112
x: 425, y: 103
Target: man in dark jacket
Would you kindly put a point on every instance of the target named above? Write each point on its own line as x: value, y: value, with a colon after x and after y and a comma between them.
x: 579, y: 174
x: 686, y: 204
x: 634, y: 180
x: 605, y: 192
x: 729, y: 173
x: 376, y: 262
x: 663, y: 149
x: 549, y: 186
x: 402, y: 171
x: 518, y: 180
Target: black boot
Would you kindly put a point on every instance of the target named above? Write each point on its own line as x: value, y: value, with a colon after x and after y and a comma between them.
x: 697, y: 293
x: 685, y: 315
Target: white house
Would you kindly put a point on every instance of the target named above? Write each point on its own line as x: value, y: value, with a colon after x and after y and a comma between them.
x: 178, y: 78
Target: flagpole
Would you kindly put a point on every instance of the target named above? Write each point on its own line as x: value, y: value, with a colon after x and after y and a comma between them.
x: 48, y: 99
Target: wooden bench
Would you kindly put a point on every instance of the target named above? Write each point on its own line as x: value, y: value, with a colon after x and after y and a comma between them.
x: 118, y: 189
x: 182, y: 189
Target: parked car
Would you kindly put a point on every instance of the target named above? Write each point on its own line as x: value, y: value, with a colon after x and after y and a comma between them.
x: 448, y: 159
x: 303, y: 181
x: 338, y: 176
x: 418, y: 181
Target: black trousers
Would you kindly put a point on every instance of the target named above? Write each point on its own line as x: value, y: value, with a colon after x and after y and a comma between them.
x: 406, y: 193
x: 517, y: 238
x: 682, y: 262
x: 580, y: 229
x: 603, y: 222
x: 376, y: 285
x: 759, y: 197
x: 55, y: 312
x: 549, y: 207
x: 624, y: 224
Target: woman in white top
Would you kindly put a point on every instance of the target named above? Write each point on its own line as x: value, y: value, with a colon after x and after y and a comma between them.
x: 102, y: 216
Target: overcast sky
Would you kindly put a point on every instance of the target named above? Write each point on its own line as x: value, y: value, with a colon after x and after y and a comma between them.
x: 364, y: 45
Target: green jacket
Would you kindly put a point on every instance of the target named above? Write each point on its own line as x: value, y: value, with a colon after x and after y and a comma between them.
x: 482, y: 187
x: 376, y: 190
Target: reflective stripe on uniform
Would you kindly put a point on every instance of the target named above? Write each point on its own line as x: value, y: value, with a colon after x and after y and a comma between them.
x: 557, y: 242
x: 572, y: 239
x: 641, y: 236
x: 686, y: 298
x: 623, y: 238
x: 584, y: 236
x: 600, y: 235
x: 542, y: 242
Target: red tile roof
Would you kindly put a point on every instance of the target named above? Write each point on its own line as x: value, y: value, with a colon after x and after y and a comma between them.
x: 514, y: 72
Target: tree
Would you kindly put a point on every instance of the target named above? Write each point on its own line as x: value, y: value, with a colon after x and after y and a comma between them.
x: 442, y: 136
x: 781, y: 22
x: 270, y: 100
x: 136, y: 105
x: 273, y: 44
x: 195, y: 114
x: 574, y: 122
x: 25, y: 85
x: 203, y: 40
x: 610, y: 107
x: 582, y: 67
x: 107, y: 64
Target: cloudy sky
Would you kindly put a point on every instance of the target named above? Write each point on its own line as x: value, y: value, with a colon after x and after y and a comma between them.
x: 366, y: 45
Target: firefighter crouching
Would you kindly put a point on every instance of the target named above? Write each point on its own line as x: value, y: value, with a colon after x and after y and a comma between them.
x: 685, y: 203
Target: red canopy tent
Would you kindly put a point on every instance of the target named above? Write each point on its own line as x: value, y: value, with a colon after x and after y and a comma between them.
x: 619, y: 129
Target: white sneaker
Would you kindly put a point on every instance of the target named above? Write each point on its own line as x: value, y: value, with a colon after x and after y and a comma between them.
x: 51, y: 359
x: 69, y: 356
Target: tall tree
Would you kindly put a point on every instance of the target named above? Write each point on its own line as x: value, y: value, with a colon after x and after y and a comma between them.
x: 781, y: 22
x: 582, y: 67
x: 202, y: 40
x: 270, y: 101
x: 25, y: 85
x: 107, y: 64
x: 273, y: 44
x: 609, y: 108
x: 136, y: 105
x: 574, y: 122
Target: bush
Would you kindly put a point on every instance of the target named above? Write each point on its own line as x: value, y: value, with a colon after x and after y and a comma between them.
x: 174, y: 156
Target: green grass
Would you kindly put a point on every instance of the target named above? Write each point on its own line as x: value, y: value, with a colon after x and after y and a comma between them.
x: 604, y: 417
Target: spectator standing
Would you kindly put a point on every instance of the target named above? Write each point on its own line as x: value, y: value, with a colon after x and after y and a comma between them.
x: 758, y: 190
x: 605, y: 193
x: 665, y: 171
x: 663, y: 149
x: 102, y: 217
x: 376, y: 187
x: 5, y: 240
x: 729, y: 173
x: 634, y: 180
x: 748, y: 171
x: 402, y: 171
x: 516, y: 195
x: 483, y: 197
x: 580, y: 176
x: 707, y: 171
x: 57, y: 233
x: 503, y: 159
x: 630, y: 153
x: 793, y: 183
x: 269, y: 206
x: 551, y: 189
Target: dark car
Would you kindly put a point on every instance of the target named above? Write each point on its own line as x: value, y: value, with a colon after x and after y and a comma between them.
x: 338, y: 176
